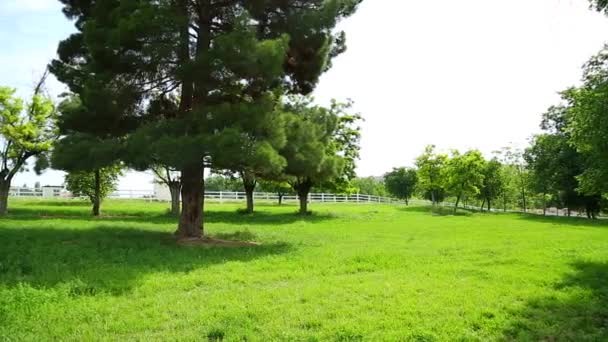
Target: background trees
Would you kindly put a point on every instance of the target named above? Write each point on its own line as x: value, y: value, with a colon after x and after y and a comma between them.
x: 26, y: 130
x: 401, y: 183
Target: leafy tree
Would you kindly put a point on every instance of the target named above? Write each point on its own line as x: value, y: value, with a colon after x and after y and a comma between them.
x: 25, y: 131
x: 314, y: 151
x: 373, y: 186
x: 401, y: 183
x: 431, y: 180
x: 516, y: 165
x: 224, y: 61
x: 95, y: 185
x: 281, y: 188
x: 585, y: 121
x: 493, y: 185
x: 555, y: 165
x: 465, y: 174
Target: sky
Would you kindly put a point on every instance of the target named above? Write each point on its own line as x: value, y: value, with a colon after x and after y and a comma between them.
x: 457, y: 74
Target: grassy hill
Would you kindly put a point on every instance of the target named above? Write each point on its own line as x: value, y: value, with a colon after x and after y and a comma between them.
x: 347, y: 273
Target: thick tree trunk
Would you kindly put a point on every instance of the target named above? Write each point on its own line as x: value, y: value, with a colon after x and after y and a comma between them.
x: 174, y: 190
x: 249, y: 195
x: 191, y: 218
x: 303, y: 197
x: 407, y: 201
x: 568, y: 211
x: 249, y: 183
x: 97, y: 194
x: 280, y: 198
x: 4, y: 190
x: 433, y: 197
x: 489, y: 205
x: 483, y: 203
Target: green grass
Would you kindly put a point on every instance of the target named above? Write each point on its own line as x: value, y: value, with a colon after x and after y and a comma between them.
x: 347, y: 273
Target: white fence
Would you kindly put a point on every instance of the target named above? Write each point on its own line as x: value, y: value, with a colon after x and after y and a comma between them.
x: 223, y: 196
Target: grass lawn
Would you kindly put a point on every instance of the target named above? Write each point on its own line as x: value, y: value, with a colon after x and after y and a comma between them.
x: 347, y: 273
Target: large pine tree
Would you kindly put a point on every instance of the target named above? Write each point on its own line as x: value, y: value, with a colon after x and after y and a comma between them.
x: 223, y: 59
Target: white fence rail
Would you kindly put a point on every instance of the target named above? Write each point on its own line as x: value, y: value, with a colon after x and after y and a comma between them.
x: 221, y: 196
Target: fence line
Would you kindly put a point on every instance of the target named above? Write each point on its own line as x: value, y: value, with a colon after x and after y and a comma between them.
x: 221, y: 196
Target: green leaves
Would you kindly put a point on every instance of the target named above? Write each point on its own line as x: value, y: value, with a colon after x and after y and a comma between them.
x: 25, y: 130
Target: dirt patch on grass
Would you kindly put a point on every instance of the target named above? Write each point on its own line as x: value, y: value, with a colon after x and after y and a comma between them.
x: 212, y: 242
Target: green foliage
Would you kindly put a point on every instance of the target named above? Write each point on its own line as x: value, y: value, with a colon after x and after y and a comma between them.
x: 373, y: 186
x: 194, y: 86
x: 494, y: 184
x: 431, y: 173
x: 26, y: 130
x: 401, y: 182
x: 464, y: 174
x: 82, y: 183
x: 217, y: 182
x: 322, y: 146
x: 274, y: 186
x: 67, y: 276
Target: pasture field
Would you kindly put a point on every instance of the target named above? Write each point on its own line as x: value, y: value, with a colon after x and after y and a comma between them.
x: 346, y: 273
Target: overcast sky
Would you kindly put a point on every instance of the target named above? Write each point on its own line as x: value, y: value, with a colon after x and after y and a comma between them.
x: 457, y: 74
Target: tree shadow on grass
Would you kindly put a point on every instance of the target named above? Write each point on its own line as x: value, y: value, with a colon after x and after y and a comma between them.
x: 578, y: 311
x: 228, y: 217
x: 104, y: 260
x: 437, y: 210
x: 563, y: 220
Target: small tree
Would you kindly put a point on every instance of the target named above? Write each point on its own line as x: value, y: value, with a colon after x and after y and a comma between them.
x: 401, y: 183
x: 464, y: 174
x: 25, y: 131
x: 431, y: 173
x: 316, y: 152
x: 95, y: 185
x: 281, y: 188
x: 493, y: 184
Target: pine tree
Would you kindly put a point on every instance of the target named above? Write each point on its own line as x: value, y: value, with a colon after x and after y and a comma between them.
x: 223, y: 60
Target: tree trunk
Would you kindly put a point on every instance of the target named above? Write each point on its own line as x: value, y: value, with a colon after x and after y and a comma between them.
x: 489, y: 206
x: 280, y: 198
x: 457, y: 202
x: 174, y: 190
x: 249, y: 195
x: 407, y: 201
x: 191, y: 218
x: 303, y: 197
x: 97, y: 194
x: 249, y: 183
x: 5, y: 186
x: 523, y: 197
x: 504, y: 199
x: 482, y: 205
x: 544, y: 205
x: 568, y: 211
x: 433, y: 197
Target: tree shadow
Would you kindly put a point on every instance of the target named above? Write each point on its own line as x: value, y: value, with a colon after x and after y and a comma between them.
x: 229, y: 217
x: 104, y: 260
x: 564, y: 220
x: 577, y: 311
x: 437, y: 210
